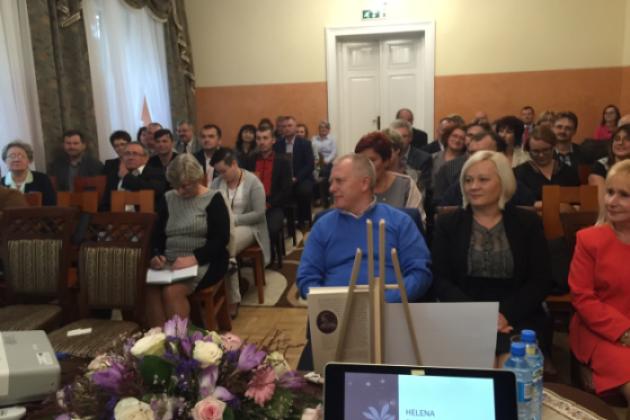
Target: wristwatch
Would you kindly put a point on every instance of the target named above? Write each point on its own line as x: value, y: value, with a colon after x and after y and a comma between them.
x: 625, y: 338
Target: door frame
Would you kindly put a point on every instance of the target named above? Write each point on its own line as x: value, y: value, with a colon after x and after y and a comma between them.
x: 335, y: 34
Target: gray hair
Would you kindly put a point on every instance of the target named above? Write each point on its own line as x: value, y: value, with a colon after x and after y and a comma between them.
x: 325, y: 124
x: 504, y: 171
x: 395, y: 137
x: 20, y: 144
x: 361, y: 165
x: 138, y: 144
x: 184, y: 169
x: 400, y: 123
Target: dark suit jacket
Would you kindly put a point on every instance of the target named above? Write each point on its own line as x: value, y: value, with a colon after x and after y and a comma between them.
x: 432, y: 147
x: 447, y: 176
x: 110, y: 169
x: 201, y: 158
x: 423, y: 162
x: 576, y: 156
x: 420, y: 138
x: 532, y: 269
x: 59, y: 168
x: 41, y: 183
x: 303, y: 161
x: 281, y: 184
x: 150, y: 179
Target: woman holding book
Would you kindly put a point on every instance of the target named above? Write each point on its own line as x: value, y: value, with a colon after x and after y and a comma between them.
x: 193, y: 228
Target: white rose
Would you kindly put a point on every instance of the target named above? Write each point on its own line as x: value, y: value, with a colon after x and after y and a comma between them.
x: 207, y: 353
x: 100, y: 362
x: 279, y: 363
x: 149, y: 345
x: 132, y: 409
x: 216, y: 338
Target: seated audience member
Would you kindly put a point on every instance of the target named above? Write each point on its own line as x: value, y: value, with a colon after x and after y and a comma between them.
x: 186, y: 141
x: 329, y: 252
x: 510, y: 129
x: 149, y: 139
x: 210, y: 137
x: 303, y: 164
x: 141, y: 135
x: 624, y: 120
x: 395, y: 189
x: 163, y: 147
x: 135, y: 175
x: 395, y: 162
x: 301, y: 130
x: 436, y: 145
x: 11, y: 198
x: 75, y: 161
x: 543, y: 169
x: 419, y: 161
x: 419, y: 138
x: 245, y: 143
x: 18, y: 156
x: 488, y: 251
x: 546, y: 118
x: 245, y: 196
x: 599, y: 332
x: 610, y: 118
x: 454, y: 140
x: 481, y: 117
x: 567, y: 152
x: 274, y: 171
x: 528, y: 116
x: 119, y: 140
x: 193, y: 228
x: 619, y: 150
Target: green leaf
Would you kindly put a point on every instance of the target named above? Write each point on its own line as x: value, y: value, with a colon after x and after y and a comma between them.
x: 228, y: 414
x: 155, y: 371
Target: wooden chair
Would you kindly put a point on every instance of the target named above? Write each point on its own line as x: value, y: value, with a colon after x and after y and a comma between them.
x: 573, y: 222
x: 209, y: 307
x: 143, y: 198
x: 553, y: 199
x: 35, y: 247
x: 255, y: 254
x: 34, y: 198
x: 113, y: 262
x: 583, y: 172
x: 91, y: 183
x: 86, y: 201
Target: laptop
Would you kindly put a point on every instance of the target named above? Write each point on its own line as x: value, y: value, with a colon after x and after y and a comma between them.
x: 379, y: 392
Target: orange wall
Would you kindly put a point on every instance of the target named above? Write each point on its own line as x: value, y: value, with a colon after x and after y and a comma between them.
x: 583, y: 91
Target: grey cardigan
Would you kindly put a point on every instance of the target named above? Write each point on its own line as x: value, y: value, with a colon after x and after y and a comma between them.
x: 255, y: 209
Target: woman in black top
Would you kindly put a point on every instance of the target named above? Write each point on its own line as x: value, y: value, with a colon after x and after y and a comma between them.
x: 618, y: 151
x: 543, y: 169
x: 488, y: 251
x: 18, y: 156
x: 245, y: 144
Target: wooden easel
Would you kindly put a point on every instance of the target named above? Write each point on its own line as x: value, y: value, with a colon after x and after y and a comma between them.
x: 376, y: 287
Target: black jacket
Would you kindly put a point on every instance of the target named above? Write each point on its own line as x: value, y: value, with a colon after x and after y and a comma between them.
x: 41, y: 183
x: 59, y: 168
x: 303, y: 161
x: 420, y: 138
x: 150, y: 179
x: 532, y: 269
x: 281, y: 183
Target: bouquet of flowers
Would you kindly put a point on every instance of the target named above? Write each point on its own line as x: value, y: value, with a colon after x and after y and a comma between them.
x: 181, y: 372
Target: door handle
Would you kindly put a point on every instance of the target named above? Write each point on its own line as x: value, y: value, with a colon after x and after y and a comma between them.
x: 378, y: 122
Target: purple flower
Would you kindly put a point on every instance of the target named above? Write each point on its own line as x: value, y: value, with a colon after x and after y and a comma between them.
x: 208, y: 381
x: 291, y: 380
x: 110, y: 378
x: 176, y: 327
x: 250, y: 358
x: 223, y: 394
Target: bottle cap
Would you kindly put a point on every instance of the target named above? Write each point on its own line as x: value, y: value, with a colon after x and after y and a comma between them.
x: 528, y: 336
x: 518, y: 349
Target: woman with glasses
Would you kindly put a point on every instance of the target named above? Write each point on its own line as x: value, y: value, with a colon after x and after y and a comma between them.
x: 543, y: 169
x: 610, y: 118
x: 18, y: 156
x: 619, y: 150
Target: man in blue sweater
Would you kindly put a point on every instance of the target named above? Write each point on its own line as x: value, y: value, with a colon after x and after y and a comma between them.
x: 330, y: 248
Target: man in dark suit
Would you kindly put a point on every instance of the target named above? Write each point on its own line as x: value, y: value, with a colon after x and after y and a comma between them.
x: 412, y: 157
x: 74, y: 161
x: 303, y: 161
x: 420, y: 138
x: 567, y: 152
x: 119, y: 140
x: 136, y: 175
x: 210, y: 137
x: 437, y: 145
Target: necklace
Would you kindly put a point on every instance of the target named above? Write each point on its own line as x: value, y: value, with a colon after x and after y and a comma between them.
x: 227, y: 189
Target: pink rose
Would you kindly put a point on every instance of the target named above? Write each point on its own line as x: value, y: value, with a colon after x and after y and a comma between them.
x: 208, y: 409
x: 231, y: 342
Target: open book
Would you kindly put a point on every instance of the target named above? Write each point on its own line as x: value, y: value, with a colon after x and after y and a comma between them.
x: 168, y: 276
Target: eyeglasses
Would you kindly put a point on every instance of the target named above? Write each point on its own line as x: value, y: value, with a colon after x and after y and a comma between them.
x: 541, y: 152
x: 620, y: 139
x: 16, y: 156
x: 133, y: 154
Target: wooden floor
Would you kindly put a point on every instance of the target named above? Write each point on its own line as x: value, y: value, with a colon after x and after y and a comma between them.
x: 254, y: 324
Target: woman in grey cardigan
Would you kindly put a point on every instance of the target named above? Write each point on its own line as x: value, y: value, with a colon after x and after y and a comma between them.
x: 245, y: 196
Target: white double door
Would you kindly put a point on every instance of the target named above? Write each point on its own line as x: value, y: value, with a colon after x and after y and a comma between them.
x: 377, y: 77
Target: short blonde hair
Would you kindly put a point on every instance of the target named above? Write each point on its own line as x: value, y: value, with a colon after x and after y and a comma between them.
x: 504, y: 171
x: 394, y: 137
x: 620, y: 168
x: 184, y: 169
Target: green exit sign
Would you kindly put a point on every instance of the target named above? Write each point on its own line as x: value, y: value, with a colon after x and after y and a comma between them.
x: 373, y: 14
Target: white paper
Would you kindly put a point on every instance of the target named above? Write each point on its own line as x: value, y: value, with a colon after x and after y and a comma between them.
x: 168, y: 276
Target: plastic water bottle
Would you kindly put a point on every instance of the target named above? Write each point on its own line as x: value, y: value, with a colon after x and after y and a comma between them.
x: 535, y: 358
x: 517, y: 364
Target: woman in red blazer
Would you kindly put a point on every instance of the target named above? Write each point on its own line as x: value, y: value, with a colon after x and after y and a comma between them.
x: 600, y: 287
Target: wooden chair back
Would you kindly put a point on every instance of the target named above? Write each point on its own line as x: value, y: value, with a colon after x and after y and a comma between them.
x: 573, y: 222
x: 86, y: 201
x: 53, y: 181
x: 557, y: 199
x: 34, y: 198
x: 583, y: 172
x: 143, y: 198
x: 91, y: 183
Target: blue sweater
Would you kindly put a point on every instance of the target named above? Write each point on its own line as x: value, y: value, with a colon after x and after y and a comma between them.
x: 330, y: 248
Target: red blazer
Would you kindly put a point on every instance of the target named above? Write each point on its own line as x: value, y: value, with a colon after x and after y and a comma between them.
x: 600, y: 290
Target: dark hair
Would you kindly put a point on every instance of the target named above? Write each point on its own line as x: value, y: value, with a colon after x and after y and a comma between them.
x: 611, y: 156
x: 163, y: 132
x: 527, y: 108
x: 617, y: 118
x: 485, y: 126
x: 305, y: 129
x: 266, y: 121
x: 70, y: 133
x: 223, y: 154
x: 139, y: 133
x: 544, y: 133
x: 497, y: 139
x: 568, y: 115
x: 239, y: 137
x: 264, y: 127
x: 514, y: 124
x: 144, y: 148
x: 447, y: 133
x: 119, y: 135
x: 376, y: 141
x: 216, y: 127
